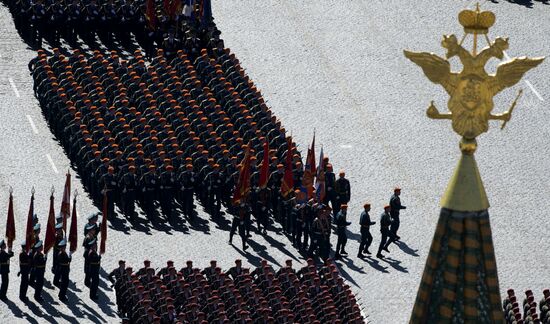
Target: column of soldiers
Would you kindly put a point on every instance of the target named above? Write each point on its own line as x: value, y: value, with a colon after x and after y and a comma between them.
x: 32, y: 262
x: 162, y: 132
x: 170, y: 27
x: 263, y: 295
x: 513, y: 309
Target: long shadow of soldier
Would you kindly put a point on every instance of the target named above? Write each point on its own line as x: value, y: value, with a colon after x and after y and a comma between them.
x: 375, y: 264
x: 279, y: 245
x: 88, y: 312
x: 39, y: 313
x: 262, y: 252
x: 49, y: 307
x: 17, y: 312
x: 396, y: 264
x: 407, y: 249
x: 351, y: 265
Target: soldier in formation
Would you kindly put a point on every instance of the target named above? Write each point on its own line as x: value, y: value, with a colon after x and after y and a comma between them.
x: 312, y: 294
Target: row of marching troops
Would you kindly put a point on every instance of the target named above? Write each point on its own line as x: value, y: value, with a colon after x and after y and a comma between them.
x: 168, y: 131
x: 34, y: 254
x: 191, y: 295
x: 513, y: 309
x: 162, y: 131
x: 168, y: 24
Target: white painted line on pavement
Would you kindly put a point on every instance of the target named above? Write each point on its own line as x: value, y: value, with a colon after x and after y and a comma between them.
x: 534, y: 90
x: 33, y: 126
x: 346, y: 146
x: 14, y: 88
x: 529, y: 84
x: 51, y: 162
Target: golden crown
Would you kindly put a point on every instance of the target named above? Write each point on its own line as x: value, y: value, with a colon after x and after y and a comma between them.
x: 476, y: 21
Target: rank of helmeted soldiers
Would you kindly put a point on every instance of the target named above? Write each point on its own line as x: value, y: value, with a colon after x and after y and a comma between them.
x: 172, y: 24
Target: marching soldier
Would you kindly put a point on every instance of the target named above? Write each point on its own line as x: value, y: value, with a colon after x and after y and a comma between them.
x: 239, y: 222
x: 342, y: 189
x: 385, y: 223
x: 167, y: 183
x: 116, y: 278
x: 62, y: 270
x: 366, y: 236
x: 109, y: 186
x: 39, y: 266
x: 128, y: 183
x: 4, y: 268
x: 149, y: 188
x: 341, y: 224
x: 395, y: 204
x: 90, y: 237
x: 24, y: 270
x: 59, y: 236
x: 214, y: 183
x: 186, y: 179
x: 94, y: 261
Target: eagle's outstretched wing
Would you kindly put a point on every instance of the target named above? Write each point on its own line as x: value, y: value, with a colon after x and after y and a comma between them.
x: 435, y: 68
x: 511, y: 72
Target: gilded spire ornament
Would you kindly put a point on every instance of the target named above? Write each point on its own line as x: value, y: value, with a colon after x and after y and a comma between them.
x: 472, y: 90
x: 460, y: 279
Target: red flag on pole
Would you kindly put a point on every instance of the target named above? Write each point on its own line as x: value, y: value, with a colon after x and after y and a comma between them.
x: 264, y: 169
x: 175, y: 8
x: 310, y: 170
x: 10, y: 223
x: 104, y: 224
x: 320, y: 179
x: 243, y: 184
x: 49, y: 241
x: 29, y: 238
x: 73, y: 236
x: 287, y: 185
x: 150, y: 14
x: 66, y: 202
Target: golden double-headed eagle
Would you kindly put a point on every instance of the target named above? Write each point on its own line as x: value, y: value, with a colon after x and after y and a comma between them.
x: 472, y: 89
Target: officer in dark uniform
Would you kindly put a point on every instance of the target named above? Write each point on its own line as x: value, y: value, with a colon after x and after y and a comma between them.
x: 167, y: 186
x: 149, y: 185
x: 24, y: 270
x: 316, y: 233
x: 239, y: 223
x: 330, y: 182
x: 91, y: 236
x: 59, y: 236
x: 366, y: 236
x: 116, y: 277
x: 62, y: 270
x: 128, y: 183
x: 395, y: 204
x: 214, y: 183
x: 385, y: 223
x: 39, y: 265
x: 342, y: 190
x: 109, y: 186
x: 341, y: 225
x: 186, y: 180
x: 94, y: 260
x: 4, y: 268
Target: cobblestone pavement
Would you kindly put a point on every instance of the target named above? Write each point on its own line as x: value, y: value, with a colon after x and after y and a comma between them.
x: 337, y: 67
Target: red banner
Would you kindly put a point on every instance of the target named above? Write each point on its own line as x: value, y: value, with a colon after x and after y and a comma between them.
x: 264, y: 169
x: 287, y: 185
x: 10, y: 223
x: 29, y: 238
x: 243, y: 184
x: 104, y: 224
x: 49, y: 241
x: 66, y: 202
x: 73, y: 236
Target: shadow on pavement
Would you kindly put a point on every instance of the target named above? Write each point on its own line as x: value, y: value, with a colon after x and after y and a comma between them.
x: 396, y: 264
x: 407, y: 249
